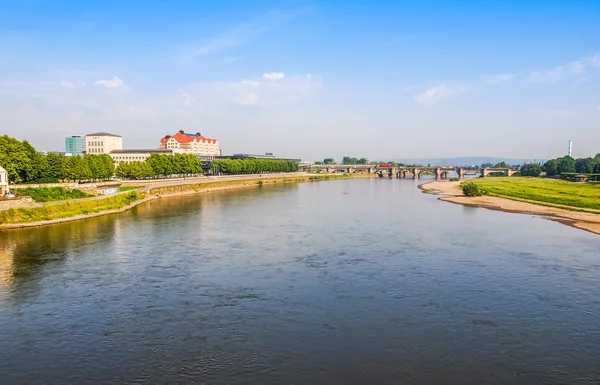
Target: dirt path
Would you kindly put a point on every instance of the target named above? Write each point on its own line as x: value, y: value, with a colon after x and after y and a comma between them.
x: 452, y: 193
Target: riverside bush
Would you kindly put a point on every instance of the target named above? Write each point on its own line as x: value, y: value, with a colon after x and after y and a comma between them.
x: 49, y: 194
x: 471, y: 189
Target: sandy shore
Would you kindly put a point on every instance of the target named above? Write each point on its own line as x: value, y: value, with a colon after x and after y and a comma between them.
x: 452, y: 193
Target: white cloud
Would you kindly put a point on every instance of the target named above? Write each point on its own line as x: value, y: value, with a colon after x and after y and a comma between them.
x: 501, y: 78
x: 278, y: 90
x: 563, y: 71
x: 434, y: 94
x: 274, y: 76
x: 251, y: 82
x: 115, y: 82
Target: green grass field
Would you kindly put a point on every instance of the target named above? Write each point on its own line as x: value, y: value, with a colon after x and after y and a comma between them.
x: 128, y: 188
x: 555, y: 192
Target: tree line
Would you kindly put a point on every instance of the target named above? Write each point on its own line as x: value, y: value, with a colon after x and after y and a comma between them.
x: 563, y: 165
x: 25, y: 165
x: 158, y: 165
x: 252, y: 166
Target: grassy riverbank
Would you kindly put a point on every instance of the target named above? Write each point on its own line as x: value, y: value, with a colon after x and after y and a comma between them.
x: 555, y: 192
x: 582, y: 218
x: 81, y: 209
x: 68, y: 209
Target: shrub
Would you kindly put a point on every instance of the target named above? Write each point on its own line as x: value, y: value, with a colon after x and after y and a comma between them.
x: 454, y: 179
x: 48, y: 194
x: 471, y: 189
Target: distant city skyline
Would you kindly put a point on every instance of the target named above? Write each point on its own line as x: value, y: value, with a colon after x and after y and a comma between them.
x: 309, y: 79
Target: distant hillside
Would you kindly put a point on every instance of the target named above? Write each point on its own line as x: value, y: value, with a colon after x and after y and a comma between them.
x: 467, y: 161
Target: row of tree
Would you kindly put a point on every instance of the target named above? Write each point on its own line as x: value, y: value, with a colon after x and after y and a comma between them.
x: 252, y: 166
x: 349, y: 160
x: 564, y: 165
x: 25, y: 165
x: 161, y: 166
x: 567, y: 164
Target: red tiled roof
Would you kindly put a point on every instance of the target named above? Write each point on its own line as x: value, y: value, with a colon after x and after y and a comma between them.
x: 187, y: 138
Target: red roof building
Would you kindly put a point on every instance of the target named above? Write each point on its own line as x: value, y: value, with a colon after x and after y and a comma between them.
x: 197, y: 144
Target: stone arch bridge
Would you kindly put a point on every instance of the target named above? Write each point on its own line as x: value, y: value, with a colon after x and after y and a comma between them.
x: 403, y: 172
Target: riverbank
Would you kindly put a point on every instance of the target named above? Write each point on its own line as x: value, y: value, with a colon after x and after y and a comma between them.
x: 83, y: 209
x: 588, y: 220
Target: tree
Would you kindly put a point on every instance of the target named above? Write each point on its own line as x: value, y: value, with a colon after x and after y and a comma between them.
x: 76, y: 168
x: 584, y: 165
x: 551, y: 167
x: 55, y: 166
x: 500, y: 165
x: 566, y: 164
x: 531, y: 169
x: 14, y: 157
x: 471, y: 189
x: 36, y: 160
x: 329, y: 161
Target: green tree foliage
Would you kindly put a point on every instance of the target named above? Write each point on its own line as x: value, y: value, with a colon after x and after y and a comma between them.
x: 252, y: 166
x: 471, y: 189
x: 349, y: 160
x: 551, y: 167
x: 76, y: 168
x: 585, y: 165
x: 566, y: 164
x: 328, y: 161
x: 531, y: 169
x: 24, y: 164
x: 14, y: 157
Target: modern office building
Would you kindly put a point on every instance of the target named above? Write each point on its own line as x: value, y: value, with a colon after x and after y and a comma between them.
x: 102, y: 143
x: 196, y: 144
x: 140, y: 155
x: 75, y: 145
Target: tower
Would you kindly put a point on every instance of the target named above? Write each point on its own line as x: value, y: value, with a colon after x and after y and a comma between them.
x: 570, y: 147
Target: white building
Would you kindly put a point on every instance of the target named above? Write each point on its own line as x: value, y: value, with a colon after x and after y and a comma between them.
x: 102, y: 143
x: 141, y: 155
x: 180, y: 142
x: 3, y: 182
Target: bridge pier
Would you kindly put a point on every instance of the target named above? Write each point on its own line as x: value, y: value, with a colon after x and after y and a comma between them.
x: 461, y: 173
x: 416, y: 173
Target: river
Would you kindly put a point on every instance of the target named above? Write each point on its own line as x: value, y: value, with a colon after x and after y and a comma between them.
x: 301, y: 284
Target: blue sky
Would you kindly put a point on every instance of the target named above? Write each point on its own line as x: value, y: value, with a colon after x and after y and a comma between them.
x: 381, y: 79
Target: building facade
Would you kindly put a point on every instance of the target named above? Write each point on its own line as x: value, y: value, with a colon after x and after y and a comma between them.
x: 180, y: 142
x: 102, y: 143
x: 3, y: 182
x: 75, y: 145
x: 127, y: 156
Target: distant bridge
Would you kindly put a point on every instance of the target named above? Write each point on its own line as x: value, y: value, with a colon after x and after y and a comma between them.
x: 402, y: 171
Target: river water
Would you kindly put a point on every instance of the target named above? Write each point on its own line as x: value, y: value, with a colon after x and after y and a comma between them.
x: 301, y: 284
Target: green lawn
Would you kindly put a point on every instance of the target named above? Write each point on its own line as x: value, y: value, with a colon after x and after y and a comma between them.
x: 579, y: 195
x: 128, y: 188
